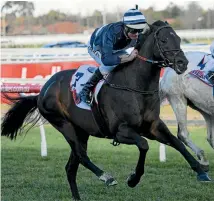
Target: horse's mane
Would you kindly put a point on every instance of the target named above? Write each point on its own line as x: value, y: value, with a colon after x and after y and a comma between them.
x: 153, y: 27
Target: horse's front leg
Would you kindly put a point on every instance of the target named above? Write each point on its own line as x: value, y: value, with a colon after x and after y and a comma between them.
x: 179, y: 105
x: 127, y: 135
x: 210, y: 128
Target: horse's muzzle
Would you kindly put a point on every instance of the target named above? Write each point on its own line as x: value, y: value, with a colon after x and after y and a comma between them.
x: 180, y: 66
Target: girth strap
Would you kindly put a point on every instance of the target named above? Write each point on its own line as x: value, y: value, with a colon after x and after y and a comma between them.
x: 101, y: 124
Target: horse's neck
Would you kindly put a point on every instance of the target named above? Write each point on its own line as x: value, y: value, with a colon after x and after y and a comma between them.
x: 139, y: 74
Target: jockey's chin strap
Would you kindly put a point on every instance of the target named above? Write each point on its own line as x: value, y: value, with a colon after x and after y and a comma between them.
x: 160, y: 63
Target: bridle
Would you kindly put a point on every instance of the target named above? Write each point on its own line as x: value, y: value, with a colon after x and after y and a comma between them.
x: 165, y: 62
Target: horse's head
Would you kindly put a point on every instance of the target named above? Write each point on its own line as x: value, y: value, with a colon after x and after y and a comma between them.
x: 167, y: 47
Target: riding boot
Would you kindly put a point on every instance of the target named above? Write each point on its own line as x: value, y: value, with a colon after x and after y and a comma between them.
x: 84, y: 95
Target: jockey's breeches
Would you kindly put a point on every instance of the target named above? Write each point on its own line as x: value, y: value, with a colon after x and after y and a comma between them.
x: 96, y: 55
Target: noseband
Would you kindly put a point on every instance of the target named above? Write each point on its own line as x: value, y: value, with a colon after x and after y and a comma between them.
x: 177, y: 51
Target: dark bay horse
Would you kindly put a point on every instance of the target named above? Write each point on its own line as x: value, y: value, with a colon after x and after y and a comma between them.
x: 129, y: 103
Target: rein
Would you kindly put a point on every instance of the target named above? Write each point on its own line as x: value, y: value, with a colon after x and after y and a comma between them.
x: 150, y: 60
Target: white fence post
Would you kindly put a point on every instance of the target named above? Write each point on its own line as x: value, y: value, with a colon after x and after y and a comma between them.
x: 162, y: 153
x: 43, y: 139
x: 44, y: 151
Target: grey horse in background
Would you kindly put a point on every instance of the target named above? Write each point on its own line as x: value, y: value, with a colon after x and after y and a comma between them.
x: 185, y: 90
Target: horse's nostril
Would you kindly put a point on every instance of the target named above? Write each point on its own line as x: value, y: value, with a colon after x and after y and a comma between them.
x: 181, y: 66
x: 180, y: 62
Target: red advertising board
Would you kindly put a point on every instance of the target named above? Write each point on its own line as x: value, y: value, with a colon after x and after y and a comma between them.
x: 38, y: 70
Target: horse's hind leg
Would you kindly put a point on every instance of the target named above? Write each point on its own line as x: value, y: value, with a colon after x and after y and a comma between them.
x: 71, y: 171
x: 210, y: 136
x: 86, y: 162
x: 78, y: 140
x: 68, y: 131
x: 210, y: 128
x: 160, y: 130
x: 179, y: 106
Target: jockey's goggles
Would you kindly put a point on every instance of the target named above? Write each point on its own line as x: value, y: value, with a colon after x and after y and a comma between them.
x: 132, y: 31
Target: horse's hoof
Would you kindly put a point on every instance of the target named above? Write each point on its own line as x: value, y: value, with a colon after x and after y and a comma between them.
x: 203, y: 177
x: 76, y: 199
x: 108, y: 179
x: 111, y: 182
x: 133, y: 180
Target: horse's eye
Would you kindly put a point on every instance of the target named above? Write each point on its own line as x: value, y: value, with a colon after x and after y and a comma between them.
x: 164, y: 40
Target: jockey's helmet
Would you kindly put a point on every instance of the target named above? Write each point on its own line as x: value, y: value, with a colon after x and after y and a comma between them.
x: 212, y: 48
x: 135, y: 21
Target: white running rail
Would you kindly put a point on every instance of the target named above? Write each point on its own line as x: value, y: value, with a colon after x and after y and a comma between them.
x: 31, y: 55
x: 42, y: 39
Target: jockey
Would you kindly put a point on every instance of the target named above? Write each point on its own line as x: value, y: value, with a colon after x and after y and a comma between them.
x: 212, y: 49
x: 209, y: 66
x: 107, y: 46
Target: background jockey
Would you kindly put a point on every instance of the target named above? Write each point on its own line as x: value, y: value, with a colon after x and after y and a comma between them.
x: 212, y: 49
x: 108, y: 43
x: 209, y: 60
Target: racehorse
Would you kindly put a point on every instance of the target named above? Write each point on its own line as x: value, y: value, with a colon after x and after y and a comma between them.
x: 128, y: 101
x: 186, y: 90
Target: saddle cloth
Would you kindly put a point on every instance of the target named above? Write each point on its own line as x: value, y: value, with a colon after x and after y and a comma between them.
x: 206, y: 77
x: 204, y: 70
x: 81, y: 76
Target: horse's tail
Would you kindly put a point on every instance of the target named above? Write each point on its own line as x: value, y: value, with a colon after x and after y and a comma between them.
x: 21, y: 110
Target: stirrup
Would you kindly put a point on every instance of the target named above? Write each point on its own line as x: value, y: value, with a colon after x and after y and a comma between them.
x: 90, y: 100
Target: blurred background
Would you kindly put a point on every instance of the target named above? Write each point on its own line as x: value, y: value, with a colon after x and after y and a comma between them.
x: 24, y: 18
